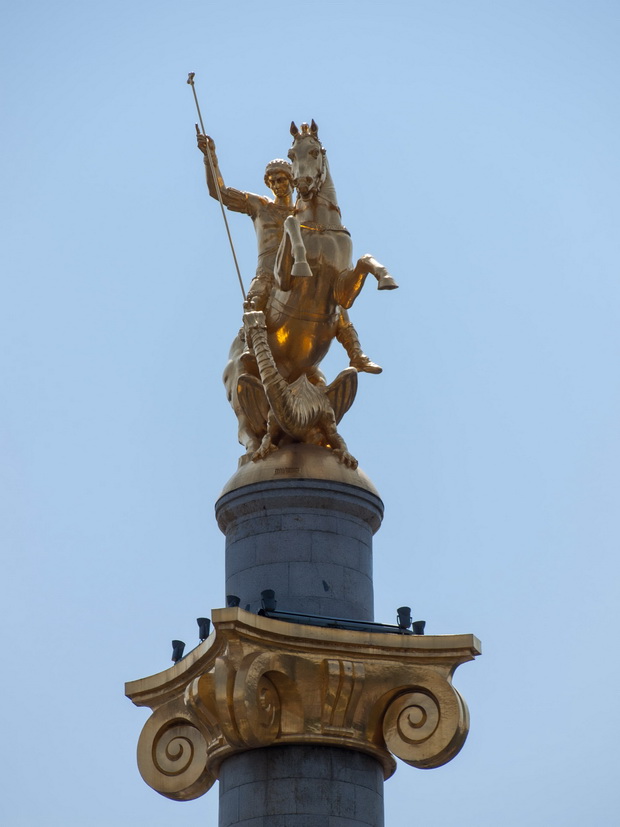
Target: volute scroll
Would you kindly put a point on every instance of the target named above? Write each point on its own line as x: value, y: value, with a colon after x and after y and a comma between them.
x: 172, y: 755
x: 425, y: 727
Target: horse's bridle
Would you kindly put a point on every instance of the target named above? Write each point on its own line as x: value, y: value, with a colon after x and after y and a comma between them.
x: 319, y: 178
x: 324, y: 228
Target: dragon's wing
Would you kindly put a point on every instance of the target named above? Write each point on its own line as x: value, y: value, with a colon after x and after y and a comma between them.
x: 253, y: 402
x: 341, y: 392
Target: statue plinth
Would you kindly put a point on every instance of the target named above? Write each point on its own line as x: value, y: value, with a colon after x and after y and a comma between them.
x: 298, y: 461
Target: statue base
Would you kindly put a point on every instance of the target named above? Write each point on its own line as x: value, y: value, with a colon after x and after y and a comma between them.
x: 298, y: 461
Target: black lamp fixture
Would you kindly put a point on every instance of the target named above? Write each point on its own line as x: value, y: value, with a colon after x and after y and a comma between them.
x: 403, y: 617
x: 204, y: 627
x: 268, y: 600
x: 177, y: 650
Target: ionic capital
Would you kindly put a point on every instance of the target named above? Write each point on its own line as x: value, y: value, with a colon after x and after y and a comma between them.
x: 257, y: 681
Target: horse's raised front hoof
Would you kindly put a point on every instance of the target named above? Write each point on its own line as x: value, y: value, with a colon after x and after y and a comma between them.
x: 301, y: 268
x: 386, y: 283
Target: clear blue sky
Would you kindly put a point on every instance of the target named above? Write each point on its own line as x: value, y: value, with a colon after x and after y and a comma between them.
x: 474, y: 147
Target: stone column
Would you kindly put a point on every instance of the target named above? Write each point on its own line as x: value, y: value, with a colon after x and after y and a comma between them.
x: 300, y: 786
x: 311, y: 542
x: 308, y: 540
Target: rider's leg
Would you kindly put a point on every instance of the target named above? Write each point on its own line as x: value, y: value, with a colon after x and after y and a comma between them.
x: 348, y: 338
x: 260, y: 289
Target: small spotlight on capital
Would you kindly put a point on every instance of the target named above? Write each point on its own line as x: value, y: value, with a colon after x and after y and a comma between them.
x: 204, y: 628
x: 177, y: 650
x: 268, y: 600
x: 403, y: 617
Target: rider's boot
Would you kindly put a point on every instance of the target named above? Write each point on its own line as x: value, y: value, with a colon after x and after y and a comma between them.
x: 347, y: 336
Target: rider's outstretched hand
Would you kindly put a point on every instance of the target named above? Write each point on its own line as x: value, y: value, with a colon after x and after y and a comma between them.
x: 205, y: 142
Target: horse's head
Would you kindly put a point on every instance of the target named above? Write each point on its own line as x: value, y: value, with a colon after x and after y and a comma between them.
x: 308, y: 159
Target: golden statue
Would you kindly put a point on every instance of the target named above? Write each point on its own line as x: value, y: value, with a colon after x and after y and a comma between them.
x: 304, y: 284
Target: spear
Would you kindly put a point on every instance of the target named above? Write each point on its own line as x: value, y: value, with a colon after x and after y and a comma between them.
x: 190, y: 80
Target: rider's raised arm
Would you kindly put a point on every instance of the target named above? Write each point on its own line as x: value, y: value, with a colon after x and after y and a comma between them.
x: 231, y: 198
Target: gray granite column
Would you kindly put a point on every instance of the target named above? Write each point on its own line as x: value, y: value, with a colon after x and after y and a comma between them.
x: 301, y: 787
x: 308, y: 540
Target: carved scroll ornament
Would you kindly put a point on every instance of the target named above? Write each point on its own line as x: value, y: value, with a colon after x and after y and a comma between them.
x: 258, y: 682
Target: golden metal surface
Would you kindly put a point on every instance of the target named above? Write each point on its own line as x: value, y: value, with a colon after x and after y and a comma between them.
x: 305, y: 282
x: 305, y: 411
x: 257, y: 681
x: 298, y: 462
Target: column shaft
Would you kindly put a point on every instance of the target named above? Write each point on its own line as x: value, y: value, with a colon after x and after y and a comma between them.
x: 297, y: 786
x: 308, y: 540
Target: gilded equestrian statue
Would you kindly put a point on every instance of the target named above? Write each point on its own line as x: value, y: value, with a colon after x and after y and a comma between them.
x: 314, y: 284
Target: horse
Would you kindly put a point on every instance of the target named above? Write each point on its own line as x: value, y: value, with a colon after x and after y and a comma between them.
x: 315, y: 280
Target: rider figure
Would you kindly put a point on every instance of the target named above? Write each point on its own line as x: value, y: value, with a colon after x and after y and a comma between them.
x: 268, y: 217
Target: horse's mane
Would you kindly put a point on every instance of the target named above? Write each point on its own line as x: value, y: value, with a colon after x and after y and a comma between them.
x: 328, y: 190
